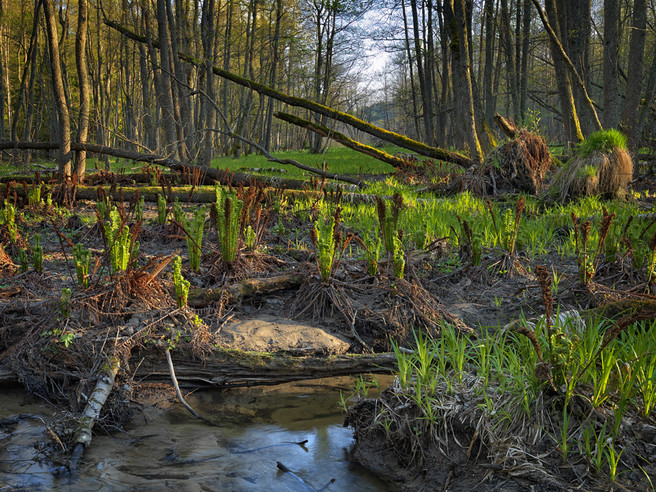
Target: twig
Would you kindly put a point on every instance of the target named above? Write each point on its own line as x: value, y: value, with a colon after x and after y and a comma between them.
x: 284, y: 468
x: 179, y: 393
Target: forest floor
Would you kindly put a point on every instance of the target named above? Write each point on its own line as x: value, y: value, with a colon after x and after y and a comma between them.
x: 54, y: 348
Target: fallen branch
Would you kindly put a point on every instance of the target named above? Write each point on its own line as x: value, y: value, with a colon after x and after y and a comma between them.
x: 286, y: 469
x: 178, y: 393
x: 87, y: 420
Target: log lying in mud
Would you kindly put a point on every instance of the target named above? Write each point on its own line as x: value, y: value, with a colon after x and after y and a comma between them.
x: 233, y: 368
x: 239, y: 290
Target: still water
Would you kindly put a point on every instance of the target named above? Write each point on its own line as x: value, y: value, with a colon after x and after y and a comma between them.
x: 165, y: 448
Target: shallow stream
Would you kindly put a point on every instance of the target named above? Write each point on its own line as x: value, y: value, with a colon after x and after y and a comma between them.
x: 166, y: 448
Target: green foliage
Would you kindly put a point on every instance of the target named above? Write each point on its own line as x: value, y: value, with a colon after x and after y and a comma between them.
x: 34, y: 195
x: 323, y: 238
x: 372, y: 246
x: 65, y: 303
x: 161, y: 209
x: 119, y: 241
x: 24, y: 260
x: 228, y: 212
x: 602, y: 141
x: 37, y: 254
x: 9, y: 216
x: 399, y: 257
x: 250, y: 238
x: 178, y: 213
x: 181, y: 285
x: 139, y: 210
x: 81, y: 258
x: 194, y: 236
x: 103, y: 207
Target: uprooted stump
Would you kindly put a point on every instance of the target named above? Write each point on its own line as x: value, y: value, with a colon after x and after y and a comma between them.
x: 377, y: 312
x: 520, y: 165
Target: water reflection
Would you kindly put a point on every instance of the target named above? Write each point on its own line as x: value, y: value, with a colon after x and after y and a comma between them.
x: 167, y: 449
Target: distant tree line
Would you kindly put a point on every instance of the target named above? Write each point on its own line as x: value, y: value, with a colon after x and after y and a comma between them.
x: 66, y: 75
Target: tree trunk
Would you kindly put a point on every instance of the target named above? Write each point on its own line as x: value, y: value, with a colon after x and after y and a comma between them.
x: 611, y: 89
x: 274, y: 75
x: 206, y: 110
x: 58, y: 92
x: 413, y: 91
x: 489, y: 61
x: 29, y: 69
x: 83, y: 82
x: 424, y: 84
x: 344, y: 140
x: 508, y: 48
x: 4, y: 89
x: 634, y: 74
x: 569, y: 114
x: 526, y: 38
x: 462, y: 59
x: 166, y: 95
x: 575, y: 26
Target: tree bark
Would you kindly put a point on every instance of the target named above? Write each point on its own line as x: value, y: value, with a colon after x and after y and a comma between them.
x: 459, y: 10
x: 489, y: 61
x: 611, y: 88
x: 570, y: 118
x: 559, y: 52
x: 426, y: 93
x: 83, y: 82
x: 58, y: 92
x: 634, y: 74
x: 166, y: 95
x: 237, y: 291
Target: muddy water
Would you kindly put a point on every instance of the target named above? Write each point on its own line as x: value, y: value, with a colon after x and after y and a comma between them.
x: 165, y: 448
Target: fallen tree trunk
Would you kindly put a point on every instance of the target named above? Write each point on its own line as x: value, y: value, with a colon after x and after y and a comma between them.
x: 224, y: 177
x: 233, y: 368
x: 343, y: 139
x: 388, y: 136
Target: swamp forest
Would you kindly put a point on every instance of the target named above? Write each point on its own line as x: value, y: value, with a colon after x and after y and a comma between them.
x: 327, y: 244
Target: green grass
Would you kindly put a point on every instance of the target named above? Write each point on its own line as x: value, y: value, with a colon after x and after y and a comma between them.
x: 602, y: 141
x: 338, y: 160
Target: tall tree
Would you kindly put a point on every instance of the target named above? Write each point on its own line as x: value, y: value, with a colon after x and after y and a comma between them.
x: 83, y: 83
x: 460, y: 46
x: 634, y: 72
x: 611, y: 48
x: 58, y: 91
x: 165, y: 96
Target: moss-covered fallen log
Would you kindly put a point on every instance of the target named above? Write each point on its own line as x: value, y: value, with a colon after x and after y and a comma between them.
x: 343, y: 139
x: 223, y: 176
